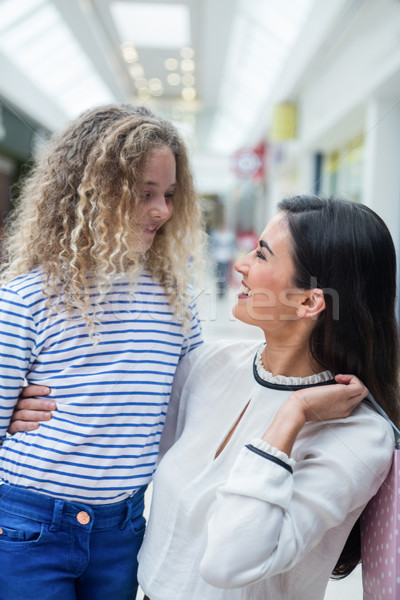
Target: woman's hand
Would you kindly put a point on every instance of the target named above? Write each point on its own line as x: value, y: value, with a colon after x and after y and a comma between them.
x: 319, y: 403
x: 325, y: 402
x: 31, y: 410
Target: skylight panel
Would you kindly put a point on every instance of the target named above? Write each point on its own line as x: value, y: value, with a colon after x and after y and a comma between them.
x: 152, y: 25
x: 43, y: 47
x: 262, y: 35
x: 13, y: 10
x: 20, y: 35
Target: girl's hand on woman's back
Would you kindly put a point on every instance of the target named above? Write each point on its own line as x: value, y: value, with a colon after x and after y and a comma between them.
x: 31, y: 409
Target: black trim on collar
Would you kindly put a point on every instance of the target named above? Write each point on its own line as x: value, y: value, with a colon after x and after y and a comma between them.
x: 281, y: 386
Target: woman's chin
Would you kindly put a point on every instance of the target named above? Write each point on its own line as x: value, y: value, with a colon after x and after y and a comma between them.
x: 238, y: 314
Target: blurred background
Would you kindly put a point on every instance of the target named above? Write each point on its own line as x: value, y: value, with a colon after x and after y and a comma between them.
x: 274, y: 98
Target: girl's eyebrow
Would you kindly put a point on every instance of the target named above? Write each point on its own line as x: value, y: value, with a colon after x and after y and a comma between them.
x: 264, y: 244
x: 154, y: 183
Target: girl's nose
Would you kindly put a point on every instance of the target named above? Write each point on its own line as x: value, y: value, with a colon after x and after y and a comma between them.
x: 159, y: 209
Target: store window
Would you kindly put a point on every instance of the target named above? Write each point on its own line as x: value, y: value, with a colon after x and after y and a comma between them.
x: 342, y: 171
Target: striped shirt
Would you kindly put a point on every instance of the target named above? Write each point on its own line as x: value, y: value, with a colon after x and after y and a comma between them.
x: 102, y: 442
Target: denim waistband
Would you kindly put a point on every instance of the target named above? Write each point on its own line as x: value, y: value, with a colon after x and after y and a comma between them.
x: 57, y: 512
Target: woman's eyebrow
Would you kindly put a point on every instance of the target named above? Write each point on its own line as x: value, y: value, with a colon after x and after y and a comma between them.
x: 264, y: 244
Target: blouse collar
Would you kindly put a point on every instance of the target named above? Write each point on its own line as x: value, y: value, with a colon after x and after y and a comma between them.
x: 266, y: 378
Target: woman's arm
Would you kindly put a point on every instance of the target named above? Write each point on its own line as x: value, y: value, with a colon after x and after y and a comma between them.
x: 272, y: 510
x: 31, y: 410
x: 313, y: 404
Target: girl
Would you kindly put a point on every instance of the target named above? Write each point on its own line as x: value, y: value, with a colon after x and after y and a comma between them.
x: 95, y: 303
x: 266, y: 477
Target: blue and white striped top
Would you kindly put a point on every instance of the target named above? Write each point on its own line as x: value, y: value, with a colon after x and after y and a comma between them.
x: 102, y: 442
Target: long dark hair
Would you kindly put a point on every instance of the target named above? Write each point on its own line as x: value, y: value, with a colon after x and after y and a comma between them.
x: 345, y: 249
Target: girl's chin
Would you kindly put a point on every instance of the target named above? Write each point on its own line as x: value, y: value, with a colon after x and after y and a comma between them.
x: 144, y: 245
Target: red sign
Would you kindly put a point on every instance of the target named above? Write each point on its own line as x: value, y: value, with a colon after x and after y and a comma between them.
x: 249, y: 162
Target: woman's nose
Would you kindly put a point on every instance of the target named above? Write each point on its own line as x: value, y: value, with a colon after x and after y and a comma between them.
x: 242, y: 265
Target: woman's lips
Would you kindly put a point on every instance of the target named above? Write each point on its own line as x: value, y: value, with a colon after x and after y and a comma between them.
x: 244, y: 291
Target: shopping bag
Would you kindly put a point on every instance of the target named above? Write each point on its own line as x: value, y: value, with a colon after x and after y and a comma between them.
x: 380, y: 538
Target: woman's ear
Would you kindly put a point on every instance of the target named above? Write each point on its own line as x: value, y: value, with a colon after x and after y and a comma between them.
x: 312, y: 304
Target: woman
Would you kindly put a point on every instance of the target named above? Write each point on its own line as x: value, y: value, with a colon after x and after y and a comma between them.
x: 266, y: 472
x: 258, y: 494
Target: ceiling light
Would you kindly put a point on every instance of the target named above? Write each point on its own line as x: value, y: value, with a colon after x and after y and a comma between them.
x: 171, y: 64
x: 174, y: 78
x: 187, y: 52
x: 136, y: 70
x: 155, y: 84
x: 148, y: 24
x: 188, y: 80
x: 188, y: 94
x: 187, y: 65
x: 129, y: 52
x: 144, y: 94
x: 141, y: 83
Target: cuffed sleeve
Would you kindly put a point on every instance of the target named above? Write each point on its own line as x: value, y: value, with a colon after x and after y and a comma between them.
x: 265, y: 520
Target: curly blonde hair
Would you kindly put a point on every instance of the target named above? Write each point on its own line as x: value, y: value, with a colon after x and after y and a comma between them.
x: 74, y: 211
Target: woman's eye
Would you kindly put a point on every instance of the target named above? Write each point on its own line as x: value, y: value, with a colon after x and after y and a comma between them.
x: 168, y: 196
x: 259, y: 254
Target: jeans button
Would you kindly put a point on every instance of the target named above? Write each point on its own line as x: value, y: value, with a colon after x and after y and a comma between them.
x: 83, y: 518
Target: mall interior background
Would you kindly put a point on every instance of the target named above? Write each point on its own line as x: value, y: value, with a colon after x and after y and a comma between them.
x: 274, y: 98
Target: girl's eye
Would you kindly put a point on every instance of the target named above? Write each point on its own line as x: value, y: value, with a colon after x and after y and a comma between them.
x: 169, y: 196
x: 259, y: 254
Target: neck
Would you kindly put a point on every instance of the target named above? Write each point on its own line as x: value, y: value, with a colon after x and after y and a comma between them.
x: 289, y: 359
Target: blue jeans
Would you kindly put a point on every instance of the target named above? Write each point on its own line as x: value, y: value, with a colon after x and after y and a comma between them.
x: 56, y: 550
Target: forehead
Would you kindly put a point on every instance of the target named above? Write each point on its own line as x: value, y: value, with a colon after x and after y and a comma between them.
x: 277, y: 230
x: 160, y: 163
x: 159, y: 153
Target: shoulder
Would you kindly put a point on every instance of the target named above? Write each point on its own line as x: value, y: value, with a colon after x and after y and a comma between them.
x: 214, y: 366
x: 375, y: 431
x: 222, y: 356
x: 24, y: 286
x: 362, y: 444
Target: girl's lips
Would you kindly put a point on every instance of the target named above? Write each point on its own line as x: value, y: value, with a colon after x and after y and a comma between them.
x: 151, y: 229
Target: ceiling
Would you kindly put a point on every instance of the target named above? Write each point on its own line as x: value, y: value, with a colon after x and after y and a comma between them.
x: 59, y: 57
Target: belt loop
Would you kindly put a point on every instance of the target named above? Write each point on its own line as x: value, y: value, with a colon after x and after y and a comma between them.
x: 128, y: 515
x: 57, y: 515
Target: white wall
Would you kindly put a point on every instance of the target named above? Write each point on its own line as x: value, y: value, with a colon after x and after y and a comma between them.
x: 351, y: 87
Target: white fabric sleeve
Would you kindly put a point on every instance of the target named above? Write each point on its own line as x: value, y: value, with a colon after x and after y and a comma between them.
x: 175, y: 406
x: 265, y: 519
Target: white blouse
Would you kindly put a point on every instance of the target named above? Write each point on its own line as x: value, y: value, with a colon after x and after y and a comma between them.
x: 241, y: 526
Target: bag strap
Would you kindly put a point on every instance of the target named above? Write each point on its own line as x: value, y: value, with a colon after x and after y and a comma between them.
x: 380, y: 410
